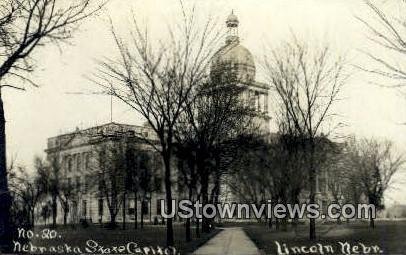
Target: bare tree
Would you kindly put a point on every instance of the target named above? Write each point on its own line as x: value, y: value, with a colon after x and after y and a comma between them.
x: 49, y: 176
x: 67, y: 194
x: 132, y: 181
x: 210, y: 127
x: 26, y: 25
x: 307, y: 82
x: 387, y: 31
x: 148, y: 180
x: 375, y: 162
x: 285, y: 165
x: 341, y: 181
x: 188, y: 177
x: 156, y: 80
x: 54, y: 183
x: 111, y: 174
x: 27, y: 191
x: 248, y: 181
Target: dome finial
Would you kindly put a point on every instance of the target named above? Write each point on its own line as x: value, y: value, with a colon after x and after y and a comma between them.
x: 232, y: 20
x: 232, y: 25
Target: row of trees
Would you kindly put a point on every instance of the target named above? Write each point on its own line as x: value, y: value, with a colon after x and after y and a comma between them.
x: 122, y: 169
x: 117, y: 167
x: 355, y: 171
x: 163, y: 81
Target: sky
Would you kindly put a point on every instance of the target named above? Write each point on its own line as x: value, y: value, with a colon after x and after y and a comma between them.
x: 64, y: 100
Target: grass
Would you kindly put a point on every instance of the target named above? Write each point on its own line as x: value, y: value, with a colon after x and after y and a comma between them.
x: 150, y: 236
x: 389, y: 236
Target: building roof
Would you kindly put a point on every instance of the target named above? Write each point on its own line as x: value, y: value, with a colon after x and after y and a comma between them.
x: 233, y: 53
x: 108, y: 130
x: 233, y: 59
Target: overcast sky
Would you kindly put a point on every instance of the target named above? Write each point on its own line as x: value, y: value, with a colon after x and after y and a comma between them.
x: 37, y: 114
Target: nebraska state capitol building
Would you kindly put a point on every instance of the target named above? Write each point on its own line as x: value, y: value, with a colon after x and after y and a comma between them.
x: 76, y: 150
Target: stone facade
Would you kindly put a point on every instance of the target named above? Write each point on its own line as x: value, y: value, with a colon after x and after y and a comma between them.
x: 76, y: 153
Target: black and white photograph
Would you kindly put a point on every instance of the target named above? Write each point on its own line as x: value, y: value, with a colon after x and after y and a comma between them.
x: 230, y: 127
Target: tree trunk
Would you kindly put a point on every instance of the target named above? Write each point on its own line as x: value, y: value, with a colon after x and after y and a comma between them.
x: 32, y: 218
x: 187, y: 230
x: 277, y: 224
x: 204, y: 191
x: 197, y: 228
x: 312, y: 179
x: 135, y: 210
x: 142, y: 213
x: 168, y: 189
x: 65, y: 217
x: 113, y: 216
x: 150, y: 209
x: 113, y: 220
x: 65, y: 208
x: 124, y: 208
x: 54, y: 211
x: 371, y: 221
x: 295, y: 198
x: 188, y: 233
x: 284, y: 224
x: 5, y: 198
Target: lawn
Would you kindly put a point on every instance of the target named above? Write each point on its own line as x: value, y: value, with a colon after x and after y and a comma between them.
x: 389, y: 236
x: 151, y: 236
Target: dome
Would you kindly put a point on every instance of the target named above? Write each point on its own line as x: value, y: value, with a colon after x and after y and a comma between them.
x: 235, y: 61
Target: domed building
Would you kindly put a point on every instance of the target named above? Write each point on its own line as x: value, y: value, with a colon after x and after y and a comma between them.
x: 234, y: 64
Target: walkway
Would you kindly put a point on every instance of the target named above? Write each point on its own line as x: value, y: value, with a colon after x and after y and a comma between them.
x: 230, y: 241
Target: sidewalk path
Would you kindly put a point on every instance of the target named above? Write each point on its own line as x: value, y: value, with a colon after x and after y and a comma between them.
x: 230, y: 241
